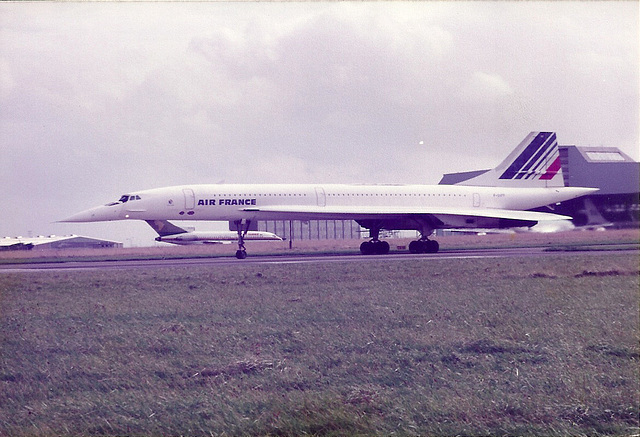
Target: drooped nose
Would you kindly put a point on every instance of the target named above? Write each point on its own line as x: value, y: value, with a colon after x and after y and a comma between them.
x: 97, y: 214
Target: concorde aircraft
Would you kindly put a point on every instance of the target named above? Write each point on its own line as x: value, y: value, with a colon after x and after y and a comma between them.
x: 170, y: 233
x: 504, y: 197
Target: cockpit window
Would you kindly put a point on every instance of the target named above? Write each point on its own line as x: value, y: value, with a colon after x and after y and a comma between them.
x: 124, y: 199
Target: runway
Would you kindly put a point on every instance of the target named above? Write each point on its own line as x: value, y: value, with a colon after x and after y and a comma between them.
x: 301, y: 259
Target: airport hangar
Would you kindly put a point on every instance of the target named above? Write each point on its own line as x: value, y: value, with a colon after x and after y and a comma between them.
x: 56, y: 242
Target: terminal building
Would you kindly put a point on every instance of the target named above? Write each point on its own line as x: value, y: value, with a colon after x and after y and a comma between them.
x: 311, y: 229
x: 607, y: 168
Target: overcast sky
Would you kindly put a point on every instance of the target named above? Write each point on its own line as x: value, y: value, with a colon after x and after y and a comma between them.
x: 99, y: 99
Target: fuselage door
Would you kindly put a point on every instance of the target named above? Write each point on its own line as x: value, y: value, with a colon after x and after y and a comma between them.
x: 189, y: 199
x: 476, y: 200
x: 321, y: 196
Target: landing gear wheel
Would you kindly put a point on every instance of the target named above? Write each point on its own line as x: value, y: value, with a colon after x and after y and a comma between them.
x: 374, y: 248
x: 383, y: 248
x: 432, y: 246
x: 416, y: 247
x: 366, y: 248
x: 241, y: 254
x: 424, y: 246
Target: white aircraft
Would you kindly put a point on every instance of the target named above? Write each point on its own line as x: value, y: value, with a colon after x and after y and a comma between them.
x: 530, y: 177
x: 170, y: 233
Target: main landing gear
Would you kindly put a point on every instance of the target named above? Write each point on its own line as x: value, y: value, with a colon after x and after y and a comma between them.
x: 424, y: 246
x: 375, y: 246
x: 242, y: 226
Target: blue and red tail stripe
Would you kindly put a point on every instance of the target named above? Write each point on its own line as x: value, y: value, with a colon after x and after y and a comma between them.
x: 553, y: 170
x: 539, y: 158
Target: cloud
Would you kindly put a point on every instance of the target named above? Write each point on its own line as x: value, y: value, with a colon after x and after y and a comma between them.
x: 486, y: 88
x: 103, y: 98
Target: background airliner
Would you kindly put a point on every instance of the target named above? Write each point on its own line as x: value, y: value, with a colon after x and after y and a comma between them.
x: 529, y: 178
x: 170, y: 233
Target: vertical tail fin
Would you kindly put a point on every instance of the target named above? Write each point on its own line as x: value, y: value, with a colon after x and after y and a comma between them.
x: 534, y: 163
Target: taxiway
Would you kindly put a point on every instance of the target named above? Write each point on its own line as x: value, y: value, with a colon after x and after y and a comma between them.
x: 297, y: 259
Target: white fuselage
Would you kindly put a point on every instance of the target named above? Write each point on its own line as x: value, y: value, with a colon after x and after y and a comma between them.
x: 222, y: 202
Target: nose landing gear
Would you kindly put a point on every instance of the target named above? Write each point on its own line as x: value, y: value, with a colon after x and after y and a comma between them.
x: 242, y: 226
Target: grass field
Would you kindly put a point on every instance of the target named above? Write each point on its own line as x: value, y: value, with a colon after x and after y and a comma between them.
x: 526, y: 346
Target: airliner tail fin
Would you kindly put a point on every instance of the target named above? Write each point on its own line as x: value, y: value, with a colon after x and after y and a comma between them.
x: 535, y: 162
